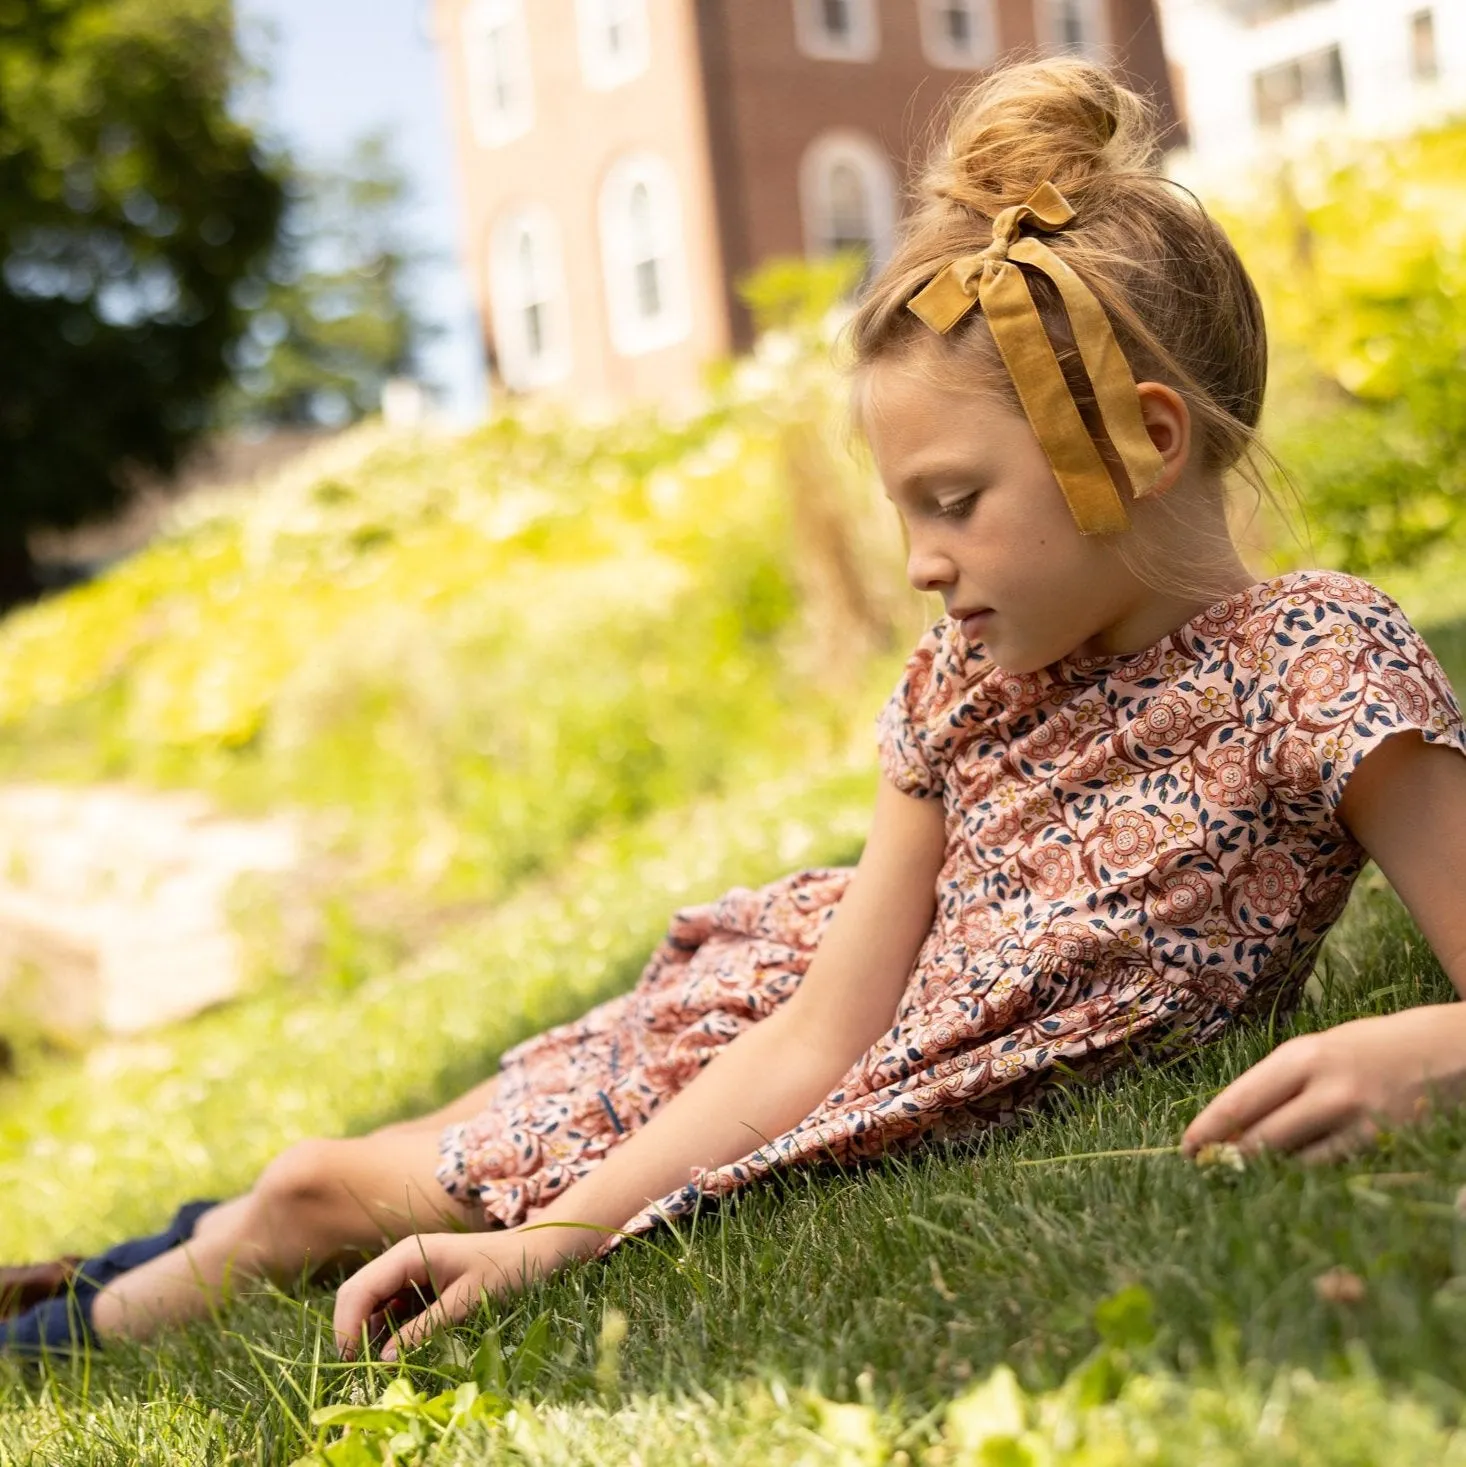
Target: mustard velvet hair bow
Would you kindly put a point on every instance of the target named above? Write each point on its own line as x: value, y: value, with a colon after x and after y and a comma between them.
x: 992, y: 281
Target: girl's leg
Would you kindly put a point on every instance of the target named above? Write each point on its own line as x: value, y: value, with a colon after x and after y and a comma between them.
x: 317, y: 1203
x: 24, y: 1285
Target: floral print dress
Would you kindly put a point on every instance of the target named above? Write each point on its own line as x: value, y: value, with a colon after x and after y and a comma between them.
x: 1139, y: 849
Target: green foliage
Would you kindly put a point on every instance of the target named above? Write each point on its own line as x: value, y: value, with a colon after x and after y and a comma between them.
x: 331, y: 318
x: 131, y: 202
x: 1360, y: 254
x: 955, y: 1306
x: 1151, y: 1418
x: 1126, y: 1320
x: 473, y: 654
x: 400, y: 1426
x: 798, y: 294
x: 1144, y: 1305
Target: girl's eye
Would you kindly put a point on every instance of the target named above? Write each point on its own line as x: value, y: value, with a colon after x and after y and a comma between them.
x: 959, y: 509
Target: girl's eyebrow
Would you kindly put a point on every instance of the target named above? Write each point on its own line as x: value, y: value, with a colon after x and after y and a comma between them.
x: 923, y: 481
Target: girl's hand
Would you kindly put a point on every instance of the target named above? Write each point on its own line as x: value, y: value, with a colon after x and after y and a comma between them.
x: 433, y: 1279
x: 1329, y: 1094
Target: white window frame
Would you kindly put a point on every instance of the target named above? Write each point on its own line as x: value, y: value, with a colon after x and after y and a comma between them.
x: 1418, y: 76
x: 821, y: 157
x: 494, y: 126
x: 633, y: 334
x: 814, y: 39
x: 1094, y: 15
x: 511, y: 297
x: 936, y: 43
x: 603, y: 68
x: 1319, y: 64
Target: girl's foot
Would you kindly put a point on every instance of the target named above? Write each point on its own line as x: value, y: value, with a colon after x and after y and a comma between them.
x: 24, y: 1285
x: 55, y: 1327
x: 51, y: 1303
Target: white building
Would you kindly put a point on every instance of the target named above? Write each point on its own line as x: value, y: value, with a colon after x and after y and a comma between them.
x: 1257, y: 75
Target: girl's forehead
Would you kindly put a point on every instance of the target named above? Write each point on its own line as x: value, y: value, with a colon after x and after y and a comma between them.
x: 902, y: 404
x: 930, y: 376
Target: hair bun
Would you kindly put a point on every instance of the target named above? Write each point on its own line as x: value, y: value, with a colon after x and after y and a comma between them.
x: 1179, y: 301
x: 1064, y: 120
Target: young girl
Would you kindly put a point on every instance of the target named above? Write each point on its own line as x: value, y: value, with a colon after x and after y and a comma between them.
x: 1127, y: 787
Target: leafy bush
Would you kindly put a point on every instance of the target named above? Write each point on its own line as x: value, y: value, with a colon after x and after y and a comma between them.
x: 1360, y: 255
x: 476, y: 652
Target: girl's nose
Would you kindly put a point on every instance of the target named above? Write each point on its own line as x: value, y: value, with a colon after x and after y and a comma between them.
x: 928, y: 570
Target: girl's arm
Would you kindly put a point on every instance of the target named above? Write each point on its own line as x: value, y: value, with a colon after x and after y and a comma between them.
x: 767, y: 1080
x: 1327, y: 1094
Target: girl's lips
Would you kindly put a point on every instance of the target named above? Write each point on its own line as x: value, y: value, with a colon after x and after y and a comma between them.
x: 975, y: 621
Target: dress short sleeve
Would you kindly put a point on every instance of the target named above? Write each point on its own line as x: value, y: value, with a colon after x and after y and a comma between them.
x: 1350, y: 672
x: 909, y: 758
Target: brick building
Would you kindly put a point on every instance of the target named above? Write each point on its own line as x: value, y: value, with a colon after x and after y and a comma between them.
x: 626, y: 162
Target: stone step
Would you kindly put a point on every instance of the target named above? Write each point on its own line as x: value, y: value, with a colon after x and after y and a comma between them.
x: 114, y: 904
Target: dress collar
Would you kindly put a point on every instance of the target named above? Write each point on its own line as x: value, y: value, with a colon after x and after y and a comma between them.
x: 1015, y: 691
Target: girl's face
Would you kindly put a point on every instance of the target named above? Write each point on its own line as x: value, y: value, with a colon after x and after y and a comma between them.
x: 989, y: 528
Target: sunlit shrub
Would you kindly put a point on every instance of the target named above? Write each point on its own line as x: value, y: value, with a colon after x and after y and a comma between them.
x: 1360, y: 253
x: 478, y: 652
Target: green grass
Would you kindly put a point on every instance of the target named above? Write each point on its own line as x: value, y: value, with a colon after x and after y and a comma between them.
x: 899, y: 1285
x: 828, y: 1317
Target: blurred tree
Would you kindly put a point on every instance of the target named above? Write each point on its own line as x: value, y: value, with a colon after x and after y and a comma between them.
x: 131, y: 202
x: 331, y: 314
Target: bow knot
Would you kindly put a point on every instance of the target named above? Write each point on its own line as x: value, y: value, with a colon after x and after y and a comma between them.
x: 969, y: 269
x: 1048, y: 209
x: 1007, y: 304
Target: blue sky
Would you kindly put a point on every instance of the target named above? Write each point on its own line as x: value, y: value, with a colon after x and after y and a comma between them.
x: 341, y: 68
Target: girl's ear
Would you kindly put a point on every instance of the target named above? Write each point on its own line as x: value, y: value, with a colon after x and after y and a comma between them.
x: 1168, y: 421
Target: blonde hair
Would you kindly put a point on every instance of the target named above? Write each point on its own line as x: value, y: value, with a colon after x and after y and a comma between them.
x: 1181, y: 303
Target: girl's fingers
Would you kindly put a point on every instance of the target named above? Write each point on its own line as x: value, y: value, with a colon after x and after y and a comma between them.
x: 1269, y: 1084
x: 373, y: 1286
x: 453, y: 1309
x: 1305, y: 1121
x: 403, y: 1305
x: 1341, y: 1145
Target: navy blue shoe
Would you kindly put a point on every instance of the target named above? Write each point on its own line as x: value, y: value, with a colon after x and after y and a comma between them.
x: 57, y: 1327
x: 63, y: 1325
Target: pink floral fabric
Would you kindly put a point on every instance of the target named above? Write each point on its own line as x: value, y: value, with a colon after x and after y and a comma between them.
x: 1140, y: 848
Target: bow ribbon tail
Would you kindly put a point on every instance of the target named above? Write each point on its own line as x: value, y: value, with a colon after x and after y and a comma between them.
x: 1029, y: 357
x: 947, y: 299
x: 1109, y: 372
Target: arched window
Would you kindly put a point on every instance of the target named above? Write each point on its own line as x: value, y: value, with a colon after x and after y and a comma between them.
x: 646, y: 253
x: 837, y: 30
x: 496, y: 52
x: 527, y: 295
x: 962, y: 34
x: 643, y: 254
x: 614, y: 41
x: 849, y: 220
x: 848, y: 196
x: 1073, y: 26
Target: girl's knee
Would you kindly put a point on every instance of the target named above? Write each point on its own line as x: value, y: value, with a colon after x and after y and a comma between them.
x: 221, y: 1220
x: 303, y: 1175
x: 361, y: 1190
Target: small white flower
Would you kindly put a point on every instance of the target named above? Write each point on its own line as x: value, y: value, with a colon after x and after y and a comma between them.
x: 1221, y: 1154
